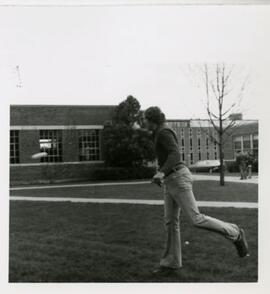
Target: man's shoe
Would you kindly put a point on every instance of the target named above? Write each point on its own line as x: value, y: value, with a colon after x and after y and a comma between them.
x: 241, y: 244
x: 164, y: 270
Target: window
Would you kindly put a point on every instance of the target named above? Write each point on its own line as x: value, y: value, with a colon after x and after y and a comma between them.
x: 89, y: 145
x: 182, y: 151
x: 14, y: 147
x: 182, y: 132
x: 191, y: 158
x: 182, y: 138
x: 255, y: 141
x: 190, y: 139
x: 200, y: 156
x: 255, y: 145
x: 246, y: 142
x: 216, y: 155
x: 237, y: 143
x: 207, y: 140
x: 183, y: 142
x: 207, y: 155
x: 183, y: 157
x: 51, y: 142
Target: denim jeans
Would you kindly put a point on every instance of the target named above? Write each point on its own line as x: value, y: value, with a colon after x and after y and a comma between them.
x: 178, y: 196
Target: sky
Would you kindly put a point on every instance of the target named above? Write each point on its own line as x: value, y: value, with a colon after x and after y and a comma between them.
x: 100, y: 55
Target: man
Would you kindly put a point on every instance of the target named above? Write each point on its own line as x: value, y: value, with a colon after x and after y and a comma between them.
x: 178, y: 195
x: 241, y: 161
x: 250, y: 162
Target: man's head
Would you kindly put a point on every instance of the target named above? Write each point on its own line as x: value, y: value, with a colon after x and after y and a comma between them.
x: 153, y: 118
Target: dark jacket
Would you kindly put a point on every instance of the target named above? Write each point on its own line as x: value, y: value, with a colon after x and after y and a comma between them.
x: 166, y: 148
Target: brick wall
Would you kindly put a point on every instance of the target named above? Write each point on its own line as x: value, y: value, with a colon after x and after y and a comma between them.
x: 46, y: 115
x: 59, y: 115
x: 70, y: 146
x: 51, y: 173
x: 28, y: 145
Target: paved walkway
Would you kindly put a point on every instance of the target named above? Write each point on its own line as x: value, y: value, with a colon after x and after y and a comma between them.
x: 132, y: 201
x: 253, y: 180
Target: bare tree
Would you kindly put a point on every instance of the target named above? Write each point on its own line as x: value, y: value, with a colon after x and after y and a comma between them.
x: 223, y: 97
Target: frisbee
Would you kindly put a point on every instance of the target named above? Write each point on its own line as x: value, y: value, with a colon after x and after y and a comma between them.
x: 39, y: 155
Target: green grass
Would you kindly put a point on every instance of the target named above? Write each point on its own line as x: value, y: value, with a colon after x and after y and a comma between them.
x: 64, y: 242
x: 203, y: 190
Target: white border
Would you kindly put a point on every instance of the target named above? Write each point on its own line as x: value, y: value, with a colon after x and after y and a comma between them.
x: 81, y: 3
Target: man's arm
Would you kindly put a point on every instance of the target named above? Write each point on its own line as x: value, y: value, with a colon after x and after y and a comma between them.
x: 168, y: 142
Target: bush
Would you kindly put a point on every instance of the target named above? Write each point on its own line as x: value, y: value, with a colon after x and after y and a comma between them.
x: 122, y: 173
x: 255, y: 167
x: 232, y: 166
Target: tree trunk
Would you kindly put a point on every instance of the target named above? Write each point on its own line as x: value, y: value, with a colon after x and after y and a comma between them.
x: 221, y: 155
x: 222, y: 177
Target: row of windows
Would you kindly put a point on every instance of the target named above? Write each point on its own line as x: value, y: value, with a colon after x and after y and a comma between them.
x: 50, y: 141
x: 200, y: 156
x: 246, y: 143
x: 14, y: 147
x: 207, y: 140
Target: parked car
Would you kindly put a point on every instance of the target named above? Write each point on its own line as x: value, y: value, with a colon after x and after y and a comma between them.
x: 205, y: 166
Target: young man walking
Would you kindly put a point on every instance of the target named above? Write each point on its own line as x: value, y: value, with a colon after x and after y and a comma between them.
x: 241, y: 161
x: 178, y: 196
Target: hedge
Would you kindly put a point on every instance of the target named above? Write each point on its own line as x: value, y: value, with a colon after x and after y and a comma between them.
x: 122, y: 173
x: 232, y: 166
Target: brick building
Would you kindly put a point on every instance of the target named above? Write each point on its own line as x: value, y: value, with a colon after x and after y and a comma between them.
x: 72, y: 137
x: 195, y: 141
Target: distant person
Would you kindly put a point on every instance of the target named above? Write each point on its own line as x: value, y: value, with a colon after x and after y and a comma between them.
x: 250, y: 162
x: 178, y: 195
x: 241, y: 161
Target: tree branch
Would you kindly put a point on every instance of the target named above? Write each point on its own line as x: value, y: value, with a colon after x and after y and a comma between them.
x: 230, y: 125
x: 229, y: 109
x: 212, y: 122
x: 212, y: 138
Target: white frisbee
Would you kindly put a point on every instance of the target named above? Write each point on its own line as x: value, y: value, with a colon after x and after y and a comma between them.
x: 39, y: 155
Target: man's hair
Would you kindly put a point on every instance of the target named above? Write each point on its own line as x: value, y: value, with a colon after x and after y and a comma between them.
x: 155, y: 115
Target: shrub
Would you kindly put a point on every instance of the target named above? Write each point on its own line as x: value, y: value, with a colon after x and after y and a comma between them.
x: 123, y: 145
x: 123, y: 173
x: 232, y: 166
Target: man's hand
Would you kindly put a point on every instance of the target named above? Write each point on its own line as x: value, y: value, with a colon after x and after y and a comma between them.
x: 136, y: 126
x: 158, y: 178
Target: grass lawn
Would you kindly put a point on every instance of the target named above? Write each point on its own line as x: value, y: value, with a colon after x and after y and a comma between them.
x: 203, y: 190
x: 67, y: 242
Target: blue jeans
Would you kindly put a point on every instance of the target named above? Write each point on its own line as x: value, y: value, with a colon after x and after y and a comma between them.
x: 178, y: 195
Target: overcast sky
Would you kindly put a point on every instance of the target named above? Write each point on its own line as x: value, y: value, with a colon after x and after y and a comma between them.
x: 99, y: 55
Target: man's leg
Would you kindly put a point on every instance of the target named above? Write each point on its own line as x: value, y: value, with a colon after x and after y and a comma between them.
x: 172, y: 256
x: 180, y: 189
x: 241, y: 172
x: 249, y: 171
x: 245, y: 171
x: 186, y: 199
